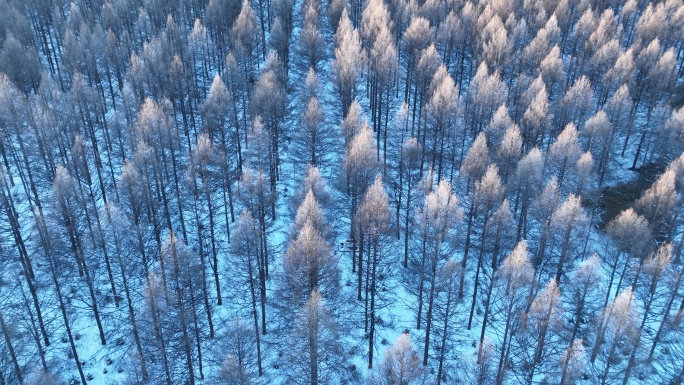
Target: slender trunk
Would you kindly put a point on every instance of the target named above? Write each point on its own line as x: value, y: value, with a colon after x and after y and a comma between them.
x: 421, y: 284
x: 366, y: 314
x: 599, y: 337
x: 471, y: 214
x: 431, y: 300
x: 313, y: 346
x: 447, y: 316
x: 160, y: 338
x: 205, y: 290
x: 359, y: 265
x: 24, y: 259
x: 613, y: 269
x: 400, y: 192
x: 212, y: 238
x: 407, y: 220
x: 179, y: 201
x: 182, y: 317
x: 351, y: 181
x: 501, y: 370
x: 77, y: 249
x: 35, y: 333
x: 10, y: 348
x: 668, y: 307
x: 372, y: 305
x: 255, y: 316
x: 477, y: 273
x: 262, y: 293
x: 67, y: 326
x: 609, y: 362
x: 198, y: 341
x: 131, y: 309
x: 486, y: 314
x: 647, y: 307
x: 407, y: 223
x: 563, y: 254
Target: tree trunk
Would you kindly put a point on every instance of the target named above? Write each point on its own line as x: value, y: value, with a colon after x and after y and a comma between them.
x: 65, y: 318
x: 471, y: 214
x: 131, y: 309
x: 182, y: 317
x: 477, y: 272
x: 501, y: 370
x: 200, y: 244
x: 212, y: 237
x: 255, y: 316
x: 668, y: 307
x: 10, y: 348
x: 359, y: 264
x: 447, y: 316
x: 431, y: 300
x: 372, y: 305
x: 313, y: 345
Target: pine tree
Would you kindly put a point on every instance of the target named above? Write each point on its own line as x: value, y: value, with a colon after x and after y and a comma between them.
x: 118, y: 230
x: 542, y: 322
x: 528, y: 179
x: 308, y: 265
x: 436, y: 220
x: 442, y: 109
x: 416, y: 38
x: 349, y: 61
x: 486, y: 92
x: 69, y: 218
x: 568, y: 226
x: 617, y: 330
x: 373, y: 216
x: 564, y: 152
x: 246, y: 248
x: 219, y: 116
x: 244, y: 41
x: 310, y: 212
x: 448, y: 286
x: 203, y: 174
x: 315, y: 138
x: 573, y: 362
x: 657, y: 203
x: 314, y: 355
x: 515, y: 276
x: 235, y: 367
x: 255, y: 197
x: 486, y: 196
x: 56, y: 265
x: 409, y: 168
x: 313, y: 182
x: 183, y: 282
x: 654, y: 269
x: 632, y: 236
x: 509, y: 151
x: 501, y: 230
x: 401, y: 364
x: 494, y: 43
x: 11, y: 221
x: 582, y: 295
x: 551, y: 69
x: 268, y: 102
x: 382, y: 60
x: 21, y: 63
x: 360, y: 166
x: 311, y: 42
x: 536, y: 119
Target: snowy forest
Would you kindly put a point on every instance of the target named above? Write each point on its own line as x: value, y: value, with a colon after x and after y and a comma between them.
x: 341, y: 192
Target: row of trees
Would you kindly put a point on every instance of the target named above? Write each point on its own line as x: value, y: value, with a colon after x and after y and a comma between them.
x: 239, y: 192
